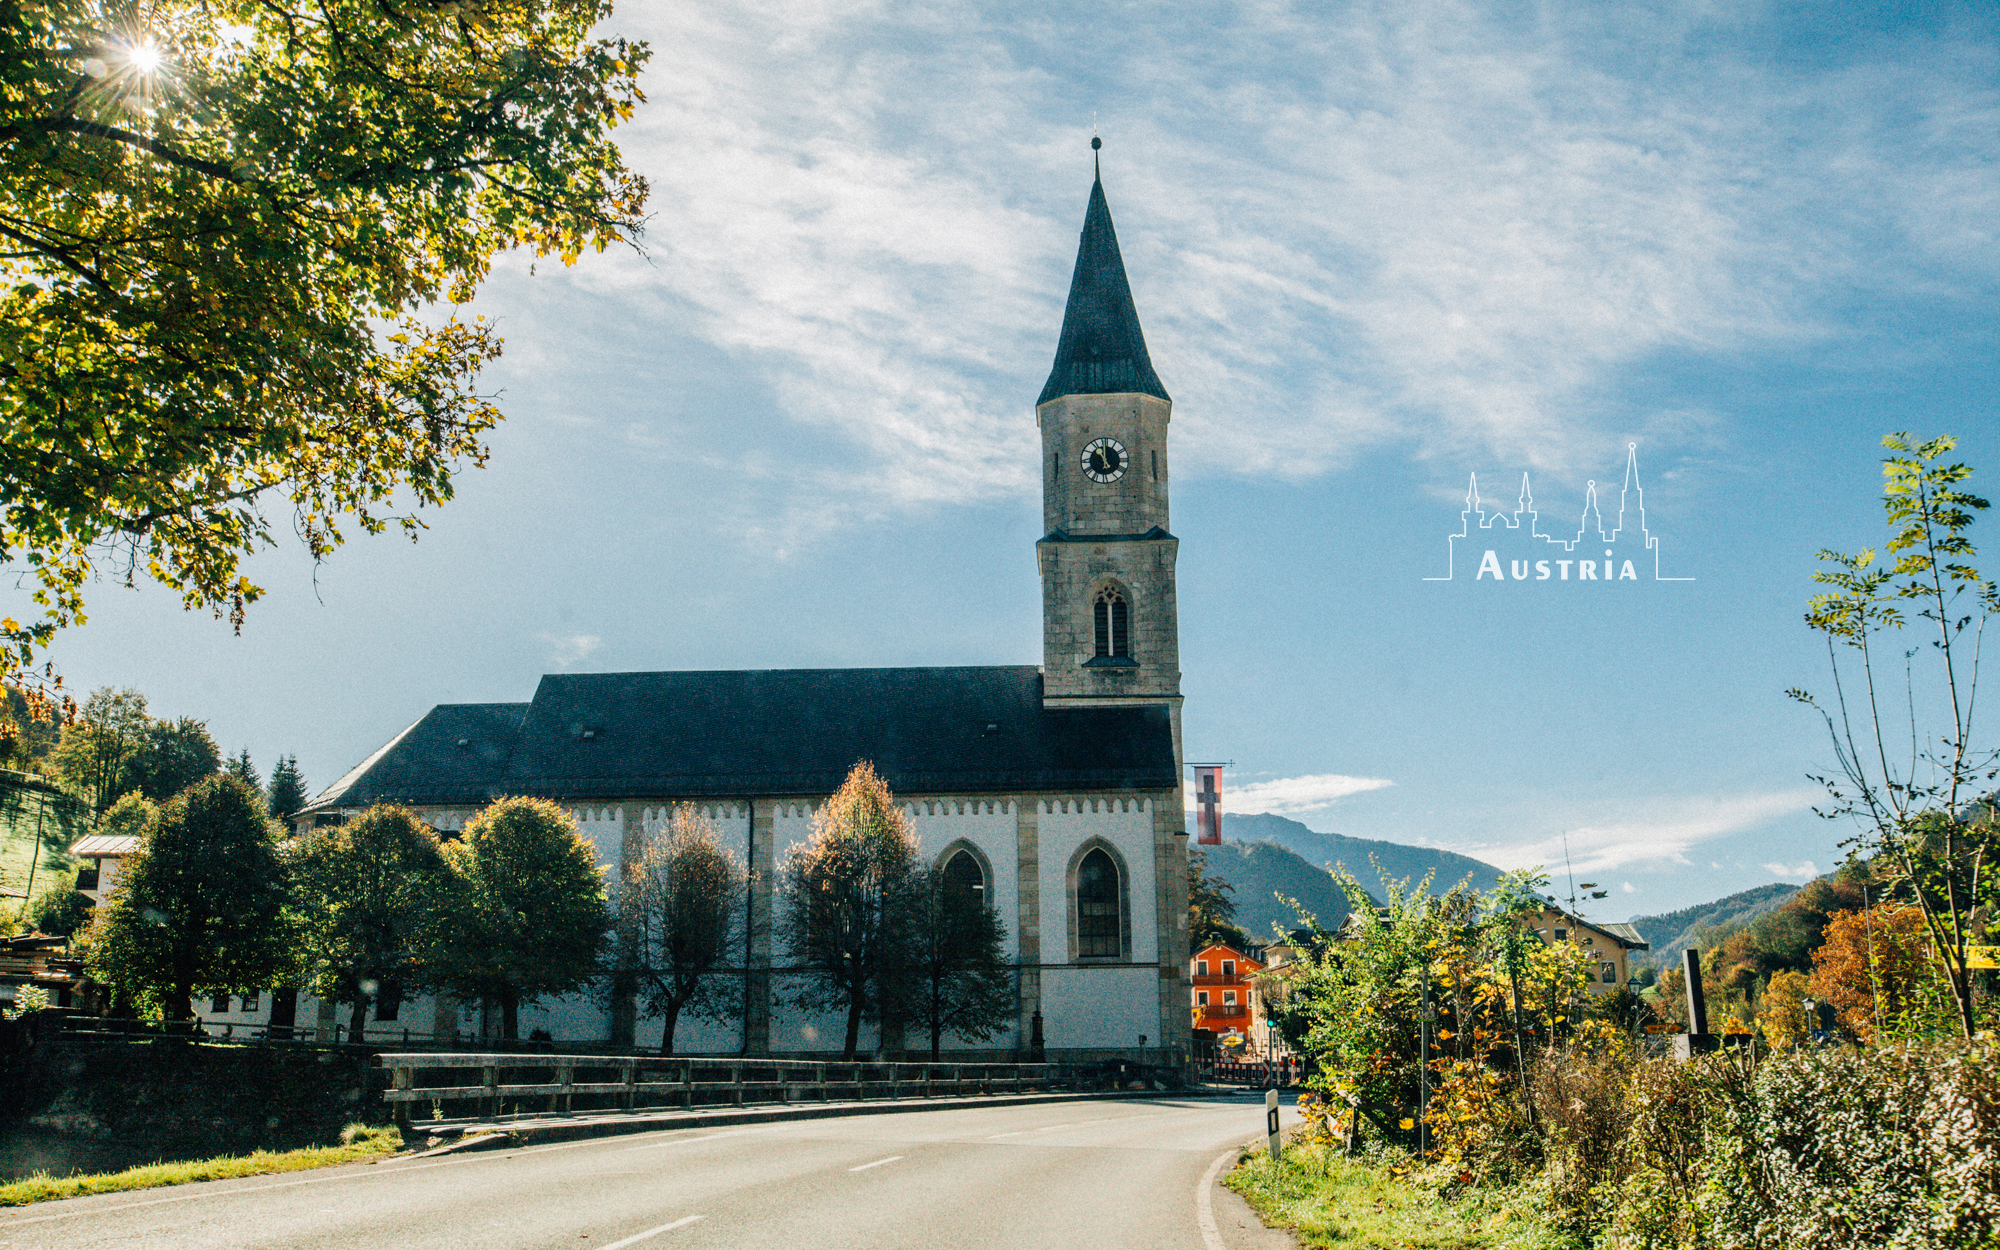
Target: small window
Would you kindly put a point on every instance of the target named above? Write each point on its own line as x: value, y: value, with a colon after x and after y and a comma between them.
x: 1229, y: 998
x: 1561, y: 934
x: 1201, y: 967
x: 1229, y: 967
x: 219, y: 1004
x: 1611, y: 974
x: 1113, y: 624
x: 1097, y: 919
x: 249, y: 1001
x: 1201, y: 998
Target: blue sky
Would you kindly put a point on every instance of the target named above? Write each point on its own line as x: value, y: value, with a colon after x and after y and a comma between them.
x: 1376, y: 248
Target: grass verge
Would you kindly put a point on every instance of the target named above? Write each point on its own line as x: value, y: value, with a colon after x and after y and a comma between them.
x: 1332, y: 1200
x: 357, y: 1141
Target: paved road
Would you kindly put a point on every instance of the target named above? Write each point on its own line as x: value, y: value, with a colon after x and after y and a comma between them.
x: 1083, y: 1174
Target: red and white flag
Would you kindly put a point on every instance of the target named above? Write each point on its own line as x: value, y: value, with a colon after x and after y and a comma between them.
x: 1208, y: 804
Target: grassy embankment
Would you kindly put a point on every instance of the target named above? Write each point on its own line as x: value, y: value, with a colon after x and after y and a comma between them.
x: 1328, y: 1199
x: 359, y: 1141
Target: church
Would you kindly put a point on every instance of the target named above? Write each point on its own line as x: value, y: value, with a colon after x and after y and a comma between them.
x: 1056, y: 789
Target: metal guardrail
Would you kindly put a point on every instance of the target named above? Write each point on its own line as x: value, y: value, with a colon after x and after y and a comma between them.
x: 684, y: 1082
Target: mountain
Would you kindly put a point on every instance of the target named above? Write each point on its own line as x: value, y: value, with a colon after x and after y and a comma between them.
x: 1261, y: 871
x: 1264, y: 856
x: 1398, y: 862
x: 1675, y: 931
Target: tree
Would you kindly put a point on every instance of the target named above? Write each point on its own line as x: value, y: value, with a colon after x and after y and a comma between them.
x: 1910, y: 802
x: 954, y: 976
x: 1211, y: 912
x: 684, y: 896
x: 62, y: 911
x: 173, y: 756
x: 1877, y: 971
x: 844, y: 891
x: 240, y: 767
x: 199, y: 906
x: 368, y: 896
x: 288, y: 788
x: 526, y: 914
x: 96, y: 755
x: 225, y: 223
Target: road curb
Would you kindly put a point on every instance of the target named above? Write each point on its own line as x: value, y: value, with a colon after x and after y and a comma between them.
x: 507, y: 1135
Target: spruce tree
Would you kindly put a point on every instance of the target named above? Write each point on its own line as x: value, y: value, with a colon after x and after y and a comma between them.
x: 288, y: 788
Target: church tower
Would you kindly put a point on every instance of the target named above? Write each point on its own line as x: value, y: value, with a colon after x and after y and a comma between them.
x: 1110, y: 631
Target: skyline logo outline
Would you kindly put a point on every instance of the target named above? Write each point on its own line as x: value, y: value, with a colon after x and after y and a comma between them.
x: 1631, y: 496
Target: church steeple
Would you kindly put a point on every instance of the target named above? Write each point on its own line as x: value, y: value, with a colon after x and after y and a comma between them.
x: 1110, y: 627
x: 1101, y: 351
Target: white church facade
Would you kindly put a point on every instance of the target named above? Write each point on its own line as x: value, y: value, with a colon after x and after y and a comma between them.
x: 1059, y: 785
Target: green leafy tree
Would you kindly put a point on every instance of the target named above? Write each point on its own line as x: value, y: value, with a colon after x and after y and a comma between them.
x: 174, y: 755
x: 845, y: 890
x: 368, y: 896
x: 683, y: 898
x: 226, y: 226
x: 526, y: 915
x: 240, y: 767
x: 1913, y: 802
x: 287, y: 792
x: 98, y: 753
x: 954, y: 976
x: 1211, y: 912
x: 60, y: 911
x: 200, y: 906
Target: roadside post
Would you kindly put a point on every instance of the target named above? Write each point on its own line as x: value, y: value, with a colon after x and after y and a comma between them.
x: 1271, y: 1123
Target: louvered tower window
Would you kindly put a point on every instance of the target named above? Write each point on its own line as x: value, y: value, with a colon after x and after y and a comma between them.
x: 1114, y: 631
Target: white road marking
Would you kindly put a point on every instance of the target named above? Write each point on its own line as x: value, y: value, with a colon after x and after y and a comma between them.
x: 1016, y: 1133
x: 636, y: 1238
x: 1204, y: 1208
x: 863, y: 1168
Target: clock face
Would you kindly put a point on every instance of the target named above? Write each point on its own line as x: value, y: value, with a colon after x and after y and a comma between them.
x: 1104, y: 460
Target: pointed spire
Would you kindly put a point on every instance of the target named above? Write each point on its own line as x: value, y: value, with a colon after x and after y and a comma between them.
x: 1472, y: 493
x: 1527, y: 496
x: 1102, y: 350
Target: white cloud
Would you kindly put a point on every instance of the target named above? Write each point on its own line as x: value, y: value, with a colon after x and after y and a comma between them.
x: 1629, y: 888
x: 566, y: 650
x: 1421, y: 222
x: 1293, y: 796
x: 1805, y: 870
x: 1662, y: 830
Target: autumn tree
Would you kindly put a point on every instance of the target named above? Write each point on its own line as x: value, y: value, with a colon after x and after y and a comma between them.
x: 953, y: 975
x: 846, y: 891
x: 683, y: 898
x: 200, y: 906
x: 369, y: 897
x: 525, y: 916
x: 1911, y: 800
x: 233, y: 233
x: 287, y: 793
x: 1877, y: 970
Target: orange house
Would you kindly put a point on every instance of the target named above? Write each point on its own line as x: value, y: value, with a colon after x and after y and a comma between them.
x: 1224, y: 999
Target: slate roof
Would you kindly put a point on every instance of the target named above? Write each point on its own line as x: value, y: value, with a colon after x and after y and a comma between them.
x: 609, y: 736
x: 1102, y: 350
x: 104, y: 845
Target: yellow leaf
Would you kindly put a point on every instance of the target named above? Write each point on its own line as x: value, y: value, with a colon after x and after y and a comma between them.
x: 1407, y: 1122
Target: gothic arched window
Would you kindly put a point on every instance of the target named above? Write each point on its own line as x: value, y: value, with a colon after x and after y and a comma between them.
x: 964, y: 884
x: 1114, y: 628
x: 1097, y: 920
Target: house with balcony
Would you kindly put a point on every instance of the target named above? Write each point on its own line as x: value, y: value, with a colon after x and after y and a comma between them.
x: 1225, y: 995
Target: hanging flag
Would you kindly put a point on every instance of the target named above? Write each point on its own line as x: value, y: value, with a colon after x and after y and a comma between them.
x: 1208, y: 804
